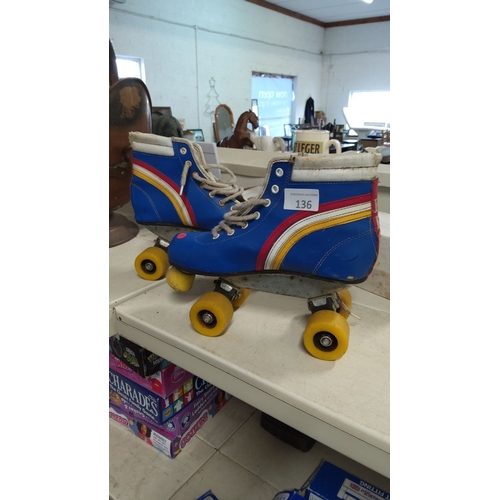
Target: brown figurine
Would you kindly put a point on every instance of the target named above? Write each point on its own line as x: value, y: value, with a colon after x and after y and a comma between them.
x: 129, y: 110
x: 241, y: 135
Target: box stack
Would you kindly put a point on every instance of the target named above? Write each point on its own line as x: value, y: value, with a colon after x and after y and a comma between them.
x: 329, y: 482
x: 158, y: 401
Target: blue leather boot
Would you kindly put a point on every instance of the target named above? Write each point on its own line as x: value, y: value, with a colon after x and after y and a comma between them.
x: 172, y: 185
x: 316, y: 219
x: 316, y: 216
x: 173, y: 189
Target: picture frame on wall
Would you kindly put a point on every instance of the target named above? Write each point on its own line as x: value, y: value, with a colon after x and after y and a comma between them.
x: 197, y: 134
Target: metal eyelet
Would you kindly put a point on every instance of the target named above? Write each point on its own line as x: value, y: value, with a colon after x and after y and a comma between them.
x: 221, y: 203
x: 215, y: 237
x: 268, y: 202
x: 279, y: 172
x: 183, y: 151
x: 230, y: 233
x: 245, y: 226
x: 275, y: 189
x: 211, y: 194
x: 257, y: 215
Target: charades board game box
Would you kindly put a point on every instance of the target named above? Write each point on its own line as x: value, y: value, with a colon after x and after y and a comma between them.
x: 180, y: 422
x: 132, y: 397
x: 168, y: 380
x: 139, y: 359
x: 331, y: 483
x: 205, y: 394
x: 157, y: 437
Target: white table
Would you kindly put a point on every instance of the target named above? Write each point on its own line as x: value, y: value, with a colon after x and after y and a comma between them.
x: 261, y: 360
x: 124, y: 282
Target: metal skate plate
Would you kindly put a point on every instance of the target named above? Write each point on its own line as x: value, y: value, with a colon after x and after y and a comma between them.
x: 168, y: 232
x: 291, y: 285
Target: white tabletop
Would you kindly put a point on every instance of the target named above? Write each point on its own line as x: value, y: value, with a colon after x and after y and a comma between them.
x: 261, y: 360
x: 384, y: 175
x: 124, y: 282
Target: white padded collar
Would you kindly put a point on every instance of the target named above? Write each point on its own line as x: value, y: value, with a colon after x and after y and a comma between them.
x: 349, y: 166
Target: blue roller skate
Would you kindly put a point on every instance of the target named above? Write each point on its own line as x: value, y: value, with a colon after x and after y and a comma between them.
x: 173, y: 189
x: 315, y: 220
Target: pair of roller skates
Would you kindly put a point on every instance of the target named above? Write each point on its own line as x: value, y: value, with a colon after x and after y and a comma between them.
x: 311, y: 232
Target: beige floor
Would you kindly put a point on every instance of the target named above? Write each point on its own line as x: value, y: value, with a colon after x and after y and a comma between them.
x: 232, y: 455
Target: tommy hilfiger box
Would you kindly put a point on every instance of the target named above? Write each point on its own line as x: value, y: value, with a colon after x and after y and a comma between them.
x: 142, y: 361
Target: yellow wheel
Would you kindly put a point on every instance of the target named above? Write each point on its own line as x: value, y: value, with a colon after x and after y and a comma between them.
x: 345, y: 296
x: 179, y: 281
x: 211, y: 314
x: 326, y: 335
x: 244, y: 293
x: 152, y: 264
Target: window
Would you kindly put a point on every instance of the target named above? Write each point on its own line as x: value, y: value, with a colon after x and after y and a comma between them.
x: 368, y: 110
x: 130, y: 67
x: 275, y: 96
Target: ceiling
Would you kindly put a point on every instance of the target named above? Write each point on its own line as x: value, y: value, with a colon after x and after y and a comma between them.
x: 330, y: 13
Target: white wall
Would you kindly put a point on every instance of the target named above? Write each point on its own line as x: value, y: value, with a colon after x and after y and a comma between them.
x: 185, y: 44
x: 355, y: 58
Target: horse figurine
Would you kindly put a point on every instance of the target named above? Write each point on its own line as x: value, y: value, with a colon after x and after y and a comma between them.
x: 267, y: 143
x: 241, y: 133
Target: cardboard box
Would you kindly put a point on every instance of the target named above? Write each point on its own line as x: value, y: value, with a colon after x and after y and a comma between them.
x: 208, y: 395
x: 156, y: 436
x: 164, y: 382
x: 204, y: 394
x: 331, y: 483
x: 132, y: 397
x: 140, y: 360
x: 366, y: 142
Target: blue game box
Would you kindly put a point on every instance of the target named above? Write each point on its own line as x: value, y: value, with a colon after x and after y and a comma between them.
x: 331, y: 483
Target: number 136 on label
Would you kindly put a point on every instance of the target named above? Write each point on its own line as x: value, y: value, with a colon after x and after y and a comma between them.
x: 301, y: 199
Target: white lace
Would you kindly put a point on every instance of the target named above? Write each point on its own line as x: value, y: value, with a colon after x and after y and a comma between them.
x: 239, y: 215
x: 211, y: 183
